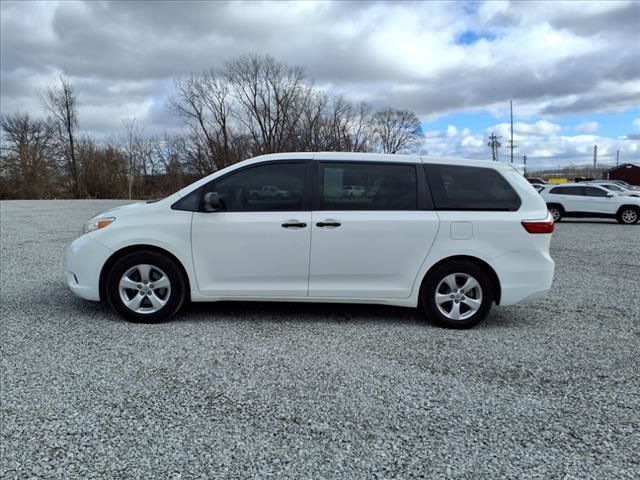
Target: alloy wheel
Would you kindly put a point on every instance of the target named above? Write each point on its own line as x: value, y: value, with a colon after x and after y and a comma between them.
x: 144, y: 289
x: 458, y: 296
x: 629, y: 216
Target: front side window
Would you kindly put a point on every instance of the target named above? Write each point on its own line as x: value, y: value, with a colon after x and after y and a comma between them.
x: 367, y: 186
x: 273, y: 187
x: 457, y: 187
x: 593, y: 192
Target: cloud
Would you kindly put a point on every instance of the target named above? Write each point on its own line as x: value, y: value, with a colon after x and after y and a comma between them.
x: 588, y: 127
x: 541, y: 127
x: 542, y: 142
x: 552, y: 58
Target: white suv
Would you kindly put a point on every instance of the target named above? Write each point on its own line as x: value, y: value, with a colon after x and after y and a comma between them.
x: 590, y: 200
x: 450, y: 236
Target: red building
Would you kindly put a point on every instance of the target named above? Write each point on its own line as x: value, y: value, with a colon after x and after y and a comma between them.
x: 627, y: 172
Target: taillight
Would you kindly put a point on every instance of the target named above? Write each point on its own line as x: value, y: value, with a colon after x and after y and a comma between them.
x: 539, y: 226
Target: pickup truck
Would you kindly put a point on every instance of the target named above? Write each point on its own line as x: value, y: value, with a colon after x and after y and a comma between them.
x: 268, y: 191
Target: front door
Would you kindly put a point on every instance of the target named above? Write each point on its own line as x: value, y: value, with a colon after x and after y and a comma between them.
x: 258, y: 244
x: 595, y: 200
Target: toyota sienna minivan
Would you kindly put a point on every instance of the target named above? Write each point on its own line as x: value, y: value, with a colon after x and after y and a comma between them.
x: 451, y: 237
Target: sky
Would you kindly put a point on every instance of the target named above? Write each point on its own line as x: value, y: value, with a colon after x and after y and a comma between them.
x: 571, y: 68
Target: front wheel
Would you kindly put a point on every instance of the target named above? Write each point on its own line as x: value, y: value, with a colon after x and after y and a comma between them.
x: 457, y: 295
x: 145, y: 287
x: 628, y: 215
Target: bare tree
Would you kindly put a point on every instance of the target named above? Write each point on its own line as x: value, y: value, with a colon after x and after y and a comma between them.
x: 361, y: 129
x: 396, y: 130
x: 128, y: 146
x: 270, y: 97
x: 253, y: 105
x: 203, y: 102
x: 28, y: 163
x: 61, y: 102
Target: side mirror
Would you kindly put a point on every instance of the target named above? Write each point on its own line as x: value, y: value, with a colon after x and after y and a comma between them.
x: 609, y: 194
x: 212, y: 202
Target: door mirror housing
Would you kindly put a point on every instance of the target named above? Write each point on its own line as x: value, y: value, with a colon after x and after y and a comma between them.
x: 212, y: 202
x: 610, y: 195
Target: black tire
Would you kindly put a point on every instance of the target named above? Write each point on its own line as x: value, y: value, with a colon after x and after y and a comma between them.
x: 433, y: 282
x: 628, y: 215
x: 556, y: 212
x: 174, y: 295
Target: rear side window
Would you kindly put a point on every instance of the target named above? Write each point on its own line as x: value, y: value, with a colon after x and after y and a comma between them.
x: 367, y: 186
x: 566, y: 191
x: 457, y: 187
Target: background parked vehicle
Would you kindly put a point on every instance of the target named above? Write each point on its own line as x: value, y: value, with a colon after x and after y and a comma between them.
x: 536, y: 181
x: 354, y: 191
x: 621, y: 183
x: 590, y: 200
x: 616, y: 188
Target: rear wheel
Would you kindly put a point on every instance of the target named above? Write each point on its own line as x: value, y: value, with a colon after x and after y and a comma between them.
x: 457, y: 294
x: 556, y: 212
x: 145, y: 287
x: 628, y: 215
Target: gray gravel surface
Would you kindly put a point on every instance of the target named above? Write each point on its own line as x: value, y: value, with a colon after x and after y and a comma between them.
x: 290, y: 391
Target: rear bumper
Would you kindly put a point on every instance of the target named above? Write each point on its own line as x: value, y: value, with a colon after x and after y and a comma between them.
x: 524, y: 276
x: 85, y: 259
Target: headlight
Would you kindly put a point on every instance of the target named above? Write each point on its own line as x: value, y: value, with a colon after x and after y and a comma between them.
x: 97, y: 224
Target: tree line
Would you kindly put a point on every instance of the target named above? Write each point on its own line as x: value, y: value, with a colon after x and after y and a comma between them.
x: 254, y: 105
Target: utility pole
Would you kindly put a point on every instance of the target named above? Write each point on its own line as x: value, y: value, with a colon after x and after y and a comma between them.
x: 595, y: 156
x: 617, y: 157
x: 511, y: 145
x: 494, y: 144
x: 525, y: 164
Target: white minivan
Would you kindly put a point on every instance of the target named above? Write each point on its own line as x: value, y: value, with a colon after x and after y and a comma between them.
x: 448, y: 236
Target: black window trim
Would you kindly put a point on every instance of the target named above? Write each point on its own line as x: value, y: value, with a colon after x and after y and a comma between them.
x: 311, y: 199
x: 423, y: 194
x: 306, y: 199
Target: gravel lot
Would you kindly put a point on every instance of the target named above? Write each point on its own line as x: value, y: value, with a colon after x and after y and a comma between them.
x: 233, y: 390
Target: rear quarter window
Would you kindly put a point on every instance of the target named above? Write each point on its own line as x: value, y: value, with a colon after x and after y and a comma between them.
x: 456, y: 187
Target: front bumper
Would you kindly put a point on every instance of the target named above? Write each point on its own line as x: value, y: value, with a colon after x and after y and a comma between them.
x: 85, y: 259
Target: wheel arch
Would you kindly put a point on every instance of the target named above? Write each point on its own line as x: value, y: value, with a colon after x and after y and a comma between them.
x: 118, y: 254
x: 495, y: 281
x: 555, y: 204
x: 627, y: 205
